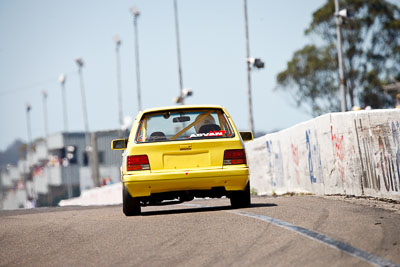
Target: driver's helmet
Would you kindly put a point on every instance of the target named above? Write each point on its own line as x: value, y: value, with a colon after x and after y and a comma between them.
x: 206, y: 120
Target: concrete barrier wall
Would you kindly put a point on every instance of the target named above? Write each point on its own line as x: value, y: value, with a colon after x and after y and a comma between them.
x: 352, y: 153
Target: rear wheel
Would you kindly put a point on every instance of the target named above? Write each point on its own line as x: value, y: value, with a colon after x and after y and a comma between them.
x: 241, y: 199
x: 130, y: 205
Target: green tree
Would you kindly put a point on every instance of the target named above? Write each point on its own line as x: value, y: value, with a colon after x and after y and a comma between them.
x: 371, y: 56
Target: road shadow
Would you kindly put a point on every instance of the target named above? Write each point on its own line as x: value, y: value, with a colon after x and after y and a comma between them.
x: 194, y: 209
x: 189, y: 208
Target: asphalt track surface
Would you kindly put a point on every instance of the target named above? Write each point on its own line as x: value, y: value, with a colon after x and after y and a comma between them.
x: 281, y: 231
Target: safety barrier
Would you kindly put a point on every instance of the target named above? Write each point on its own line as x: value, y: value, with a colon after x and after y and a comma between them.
x: 352, y: 153
x: 105, y: 195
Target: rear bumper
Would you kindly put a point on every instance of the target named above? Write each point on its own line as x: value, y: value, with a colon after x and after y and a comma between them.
x: 145, y: 183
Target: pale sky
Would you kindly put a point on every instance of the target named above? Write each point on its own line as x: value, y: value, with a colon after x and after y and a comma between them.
x: 40, y: 40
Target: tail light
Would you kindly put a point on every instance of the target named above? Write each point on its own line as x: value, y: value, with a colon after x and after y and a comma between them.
x: 137, y: 163
x: 234, y: 156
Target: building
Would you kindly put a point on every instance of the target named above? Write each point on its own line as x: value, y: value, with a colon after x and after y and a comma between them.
x: 59, y: 168
x: 12, y: 189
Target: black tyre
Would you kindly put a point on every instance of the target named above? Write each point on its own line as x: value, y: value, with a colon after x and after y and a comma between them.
x: 241, y: 199
x: 130, y: 205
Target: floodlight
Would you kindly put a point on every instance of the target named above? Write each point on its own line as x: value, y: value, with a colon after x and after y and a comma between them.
x: 258, y: 63
x: 250, y: 60
x: 62, y: 78
x: 187, y: 92
x: 79, y: 61
x: 135, y: 12
x: 117, y: 40
x: 345, y: 13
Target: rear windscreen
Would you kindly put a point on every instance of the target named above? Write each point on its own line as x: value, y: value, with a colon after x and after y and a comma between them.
x: 177, y: 125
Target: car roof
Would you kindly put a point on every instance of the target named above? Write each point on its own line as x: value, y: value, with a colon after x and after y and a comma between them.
x: 181, y: 107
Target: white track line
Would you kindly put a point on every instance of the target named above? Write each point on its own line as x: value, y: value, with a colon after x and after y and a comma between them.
x: 341, y: 246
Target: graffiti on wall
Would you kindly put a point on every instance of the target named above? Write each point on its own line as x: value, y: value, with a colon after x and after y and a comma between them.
x: 396, y: 140
x: 388, y: 159
x: 270, y: 164
x: 386, y: 164
x: 275, y: 164
x: 296, y: 161
x: 382, y: 163
x: 340, y: 152
x: 314, y: 157
x: 370, y: 179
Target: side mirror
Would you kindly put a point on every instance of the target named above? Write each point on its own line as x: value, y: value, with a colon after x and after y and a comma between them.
x: 246, y: 136
x: 119, y: 144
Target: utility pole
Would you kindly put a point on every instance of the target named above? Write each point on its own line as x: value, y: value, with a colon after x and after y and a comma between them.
x: 340, y: 57
x: 250, y: 104
x: 117, y: 41
x: 178, y: 48
x: 61, y: 79
x: 135, y: 12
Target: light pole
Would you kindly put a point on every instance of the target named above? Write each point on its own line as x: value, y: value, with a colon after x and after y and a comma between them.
x: 28, y: 147
x: 178, y: 48
x: 46, y: 129
x: 88, y: 146
x: 249, y: 100
x: 62, y: 79
x: 28, y: 128
x: 135, y: 12
x: 256, y: 62
x: 80, y: 64
x: 29, y: 185
x: 340, y: 57
x: 117, y: 41
x: 46, y: 134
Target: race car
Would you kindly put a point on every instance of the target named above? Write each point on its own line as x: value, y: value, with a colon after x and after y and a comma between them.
x: 174, y: 154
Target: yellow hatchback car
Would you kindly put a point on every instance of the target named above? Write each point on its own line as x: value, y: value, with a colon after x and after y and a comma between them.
x: 175, y: 154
